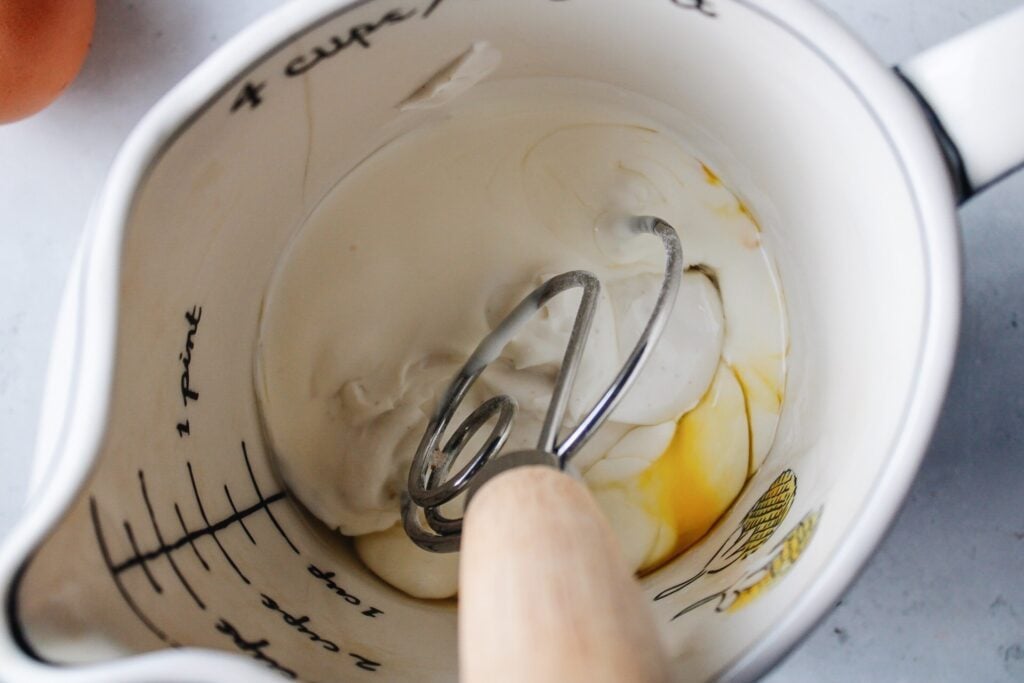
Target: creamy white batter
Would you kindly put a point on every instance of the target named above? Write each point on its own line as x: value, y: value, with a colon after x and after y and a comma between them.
x: 419, y: 251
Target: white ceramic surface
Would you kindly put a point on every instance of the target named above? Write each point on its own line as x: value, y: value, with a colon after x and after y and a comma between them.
x: 928, y: 340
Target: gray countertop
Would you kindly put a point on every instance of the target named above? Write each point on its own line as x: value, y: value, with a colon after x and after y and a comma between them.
x: 943, y: 598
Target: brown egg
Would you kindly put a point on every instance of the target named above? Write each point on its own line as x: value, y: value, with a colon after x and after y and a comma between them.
x: 42, y: 46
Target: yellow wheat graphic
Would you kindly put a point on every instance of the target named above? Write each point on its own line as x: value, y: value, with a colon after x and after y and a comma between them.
x: 784, y: 555
x: 789, y: 550
x: 766, y: 516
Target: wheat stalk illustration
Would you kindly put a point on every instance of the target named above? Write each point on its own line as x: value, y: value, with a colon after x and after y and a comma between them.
x: 785, y: 553
x: 753, y: 531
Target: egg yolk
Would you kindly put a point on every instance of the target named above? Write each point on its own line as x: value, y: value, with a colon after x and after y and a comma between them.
x: 689, y: 485
x: 699, y: 474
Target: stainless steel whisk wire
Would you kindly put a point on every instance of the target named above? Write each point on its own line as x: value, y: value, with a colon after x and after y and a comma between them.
x: 429, y: 485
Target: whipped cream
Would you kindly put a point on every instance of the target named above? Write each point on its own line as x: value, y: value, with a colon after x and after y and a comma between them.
x: 423, y: 248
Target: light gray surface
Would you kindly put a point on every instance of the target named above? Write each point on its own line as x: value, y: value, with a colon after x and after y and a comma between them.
x: 941, y: 601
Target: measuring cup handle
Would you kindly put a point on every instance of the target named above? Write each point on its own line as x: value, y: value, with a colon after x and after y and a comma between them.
x: 544, y: 593
x: 972, y: 87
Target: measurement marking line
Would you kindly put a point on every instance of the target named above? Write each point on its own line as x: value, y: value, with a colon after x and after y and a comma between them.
x: 188, y: 537
x: 241, y: 520
x: 160, y: 540
x: 212, y: 531
x: 191, y: 536
x: 259, y: 494
x: 105, y: 551
x: 142, y: 562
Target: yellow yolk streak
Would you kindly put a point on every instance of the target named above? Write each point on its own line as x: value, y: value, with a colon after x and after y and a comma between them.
x: 695, y: 480
x: 699, y: 475
x: 761, y: 384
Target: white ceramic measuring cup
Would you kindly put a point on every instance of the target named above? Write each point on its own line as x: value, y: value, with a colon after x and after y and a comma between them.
x: 157, y: 521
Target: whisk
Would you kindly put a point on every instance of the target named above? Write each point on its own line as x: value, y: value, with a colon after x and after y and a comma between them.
x: 544, y: 592
x: 429, y: 485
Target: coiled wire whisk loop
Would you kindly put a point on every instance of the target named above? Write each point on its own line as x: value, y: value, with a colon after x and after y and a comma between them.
x: 430, y: 486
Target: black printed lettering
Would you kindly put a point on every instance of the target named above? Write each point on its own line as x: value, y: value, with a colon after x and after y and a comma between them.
x: 249, y: 95
x: 364, y: 663
x: 327, y: 579
x: 254, y: 648
x: 702, y: 6
x: 300, y: 624
x: 357, y: 35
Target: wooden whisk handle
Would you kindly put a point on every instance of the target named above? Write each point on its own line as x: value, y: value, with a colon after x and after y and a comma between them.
x: 544, y: 593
